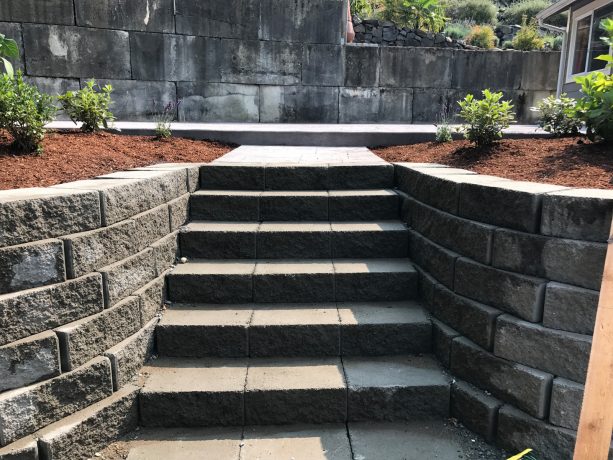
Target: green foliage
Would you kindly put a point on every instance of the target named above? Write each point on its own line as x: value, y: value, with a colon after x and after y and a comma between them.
x: 476, y: 11
x: 89, y: 106
x: 363, y: 8
x: 558, y: 115
x: 529, y: 8
x: 482, y: 36
x: 164, y: 119
x: 8, y: 50
x: 443, y: 133
x: 457, y: 30
x: 486, y: 118
x: 553, y: 42
x: 416, y: 14
x: 528, y: 38
x: 24, y: 112
x: 595, y: 108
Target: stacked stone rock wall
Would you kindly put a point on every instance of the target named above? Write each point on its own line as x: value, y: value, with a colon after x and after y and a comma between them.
x: 511, y: 273
x: 82, y: 268
x: 255, y: 61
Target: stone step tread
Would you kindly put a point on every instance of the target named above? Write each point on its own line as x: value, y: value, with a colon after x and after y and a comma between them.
x: 270, y: 226
x: 297, y: 193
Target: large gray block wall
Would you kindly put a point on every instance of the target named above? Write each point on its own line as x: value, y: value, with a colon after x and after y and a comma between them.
x: 255, y: 61
x: 511, y: 273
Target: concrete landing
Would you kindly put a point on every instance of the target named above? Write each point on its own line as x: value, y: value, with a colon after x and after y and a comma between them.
x: 432, y: 440
x: 263, y: 154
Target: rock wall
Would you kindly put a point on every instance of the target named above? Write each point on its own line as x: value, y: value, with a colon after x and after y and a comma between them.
x: 82, y: 268
x: 511, y: 273
x: 255, y: 61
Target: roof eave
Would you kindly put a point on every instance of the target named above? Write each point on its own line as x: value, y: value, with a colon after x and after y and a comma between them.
x: 555, y: 8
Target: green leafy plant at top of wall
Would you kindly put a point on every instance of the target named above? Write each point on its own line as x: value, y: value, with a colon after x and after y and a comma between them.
x: 485, y: 118
x: 482, y: 36
x: 8, y: 50
x: 558, y: 115
x: 528, y: 38
x: 475, y: 11
x: 89, y: 106
x: 416, y: 14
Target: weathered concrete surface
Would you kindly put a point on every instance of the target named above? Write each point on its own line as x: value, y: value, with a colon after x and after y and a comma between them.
x: 218, y: 18
x: 293, y: 281
x: 24, y: 449
x: 570, y: 308
x: 144, y: 15
x: 165, y: 252
x: 484, y: 70
x: 211, y: 102
x: 143, y: 100
x: 322, y: 65
x: 123, y: 278
x: 363, y: 62
x: 49, y: 12
x: 179, y: 211
x: 433, y: 258
x: 152, y: 296
x: 400, y: 65
x: 297, y: 104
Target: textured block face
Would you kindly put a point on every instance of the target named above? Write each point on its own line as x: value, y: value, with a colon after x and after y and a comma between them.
x: 322, y: 65
x: 48, y: 12
x: 361, y: 66
x: 377, y: 286
x: 29, y: 360
x: 212, y: 102
x: 165, y: 252
x: 76, y: 52
x: 293, y: 282
x: 364, y: 205
x: 417, y: 65
x: 435, y: 259
x: 566, y: 399
x: 562, y: 353
x: 570, y: 308
x: 25, y: 449
x: 298, y: 104
x: 293, y: 206
x: 152, y: 296
x: 355, y: 177
x: 27, y: 313
x: 296, y: 177
x: 25, y: 411
x: 396, y: 105
x: 442, y: 338
x: 521, y: 386
x: 219, y: 240
x: 309, y: 240
x: 31, y: 265
x: 359, y: 105
x: 217, y: 18
x: 144, y: 15
x: 369, y: 240
x: 179, y: 212
x: 475, y: 409
x: 231, y: 177
x: 226, y: 206
x: 488, y: 75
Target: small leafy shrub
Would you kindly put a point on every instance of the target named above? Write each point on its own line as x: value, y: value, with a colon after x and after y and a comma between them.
x: 89, y: 106
x: 164, y: 119
x: 8, y: 49
x: 553, y: 42
x: 528, y: 38
x: 558, y: 115
x: 457, y: 30
x: 363, y: 8
x: 443, y: 133
x: 477, y: 11
x: 416, y: 14
x: 24, y: 112
x: 482, y: 36
x: 529, y: 8
x: 486, y: 118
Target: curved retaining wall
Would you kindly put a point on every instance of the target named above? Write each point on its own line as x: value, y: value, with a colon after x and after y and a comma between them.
x: 82, y: 269
x: 511, y: 272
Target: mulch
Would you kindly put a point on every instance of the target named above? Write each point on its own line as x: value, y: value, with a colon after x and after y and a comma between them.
x: 570, y: 161
x: 68, y: 157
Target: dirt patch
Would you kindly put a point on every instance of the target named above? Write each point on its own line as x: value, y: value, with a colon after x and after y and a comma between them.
x: 573, y: 161
x: 73, y: 156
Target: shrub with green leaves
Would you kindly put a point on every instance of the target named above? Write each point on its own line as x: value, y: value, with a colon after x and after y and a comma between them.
x: 457, y: 30
x: 89, y: 105
x: 485, y: 118
x: 8, y: 50
x: 476, y: 11
x: 558, y: 116
x: 529, y: 8
x: 482, y: 36
x: 24, y: 112
x: 553, y: 42
x: 443, y: 133
x: 363, y: 8
x: 528, y: 37
x: 426, y: 15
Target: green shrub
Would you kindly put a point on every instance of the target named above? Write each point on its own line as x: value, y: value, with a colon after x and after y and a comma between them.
x: 443, y: 133
x: 416, y: 14
x: 363, y: 8
x: 553, y: 42
x: 89, y: 106
x: 164, y: 119
x: 529, y: 8
x: 8, y: 49
x: 477, y: 11
x: 457, y: 30
x: 24, y: 112
x: 482, y: 36
x: 486, y: 118
x: 558, y: 115
x: 528, y: 38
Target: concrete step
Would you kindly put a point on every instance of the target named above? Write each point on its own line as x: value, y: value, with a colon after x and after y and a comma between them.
x: 244, y: 176
x: 265, y: 391
x: 275, y: 281
x: 314, y: 205
x: 294, y: 240
x: 267, y: 330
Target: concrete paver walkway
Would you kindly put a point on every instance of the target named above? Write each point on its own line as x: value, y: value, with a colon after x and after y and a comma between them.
x: 261, y: 154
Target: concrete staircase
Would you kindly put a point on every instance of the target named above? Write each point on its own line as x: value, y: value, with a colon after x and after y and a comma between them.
x: 297, y: 304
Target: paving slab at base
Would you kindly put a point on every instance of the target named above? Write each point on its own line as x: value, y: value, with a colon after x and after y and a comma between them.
x: 266, y: 154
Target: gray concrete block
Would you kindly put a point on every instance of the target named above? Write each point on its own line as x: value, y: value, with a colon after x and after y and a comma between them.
x: 322, y: 65
x: 354, y: 177
x: 422, y: 67
x: 192, y: 170
x: 213, y: 102
x: 27, y: 313
x: 13, y: 30
x: 89, y: 337
x: 229, y: 206
x: 427, y: 285
x: 524, y: 387
x: 26, y: 410
x: 152, y: 296
x: 301, y: 21
x: 152, y: 225
x: 481, y: 69
x: 430, y: 105
x: 48, y: 12
x: 313, y: 286
x: 520, y: 295
x: 293, y: 241
x: 570, y: 308
x: 566, y: 400
x: 217, y: 18
x: 179, y: 211
x: 477, y: 410
x: 469, y: 238
x: 24, y: 449
x: 166, y: 252
x: 361, y: 66
x: 297, y: 104
x: 396, y: 105
x: 516, y: 430
x: 63, y: 51
x: 128, y: 356
x: 510, y: 204
x: 91, y: 430
x: 231, y: 177
x: 293, y: 206
x: 564, y: 354
x: 369, y: 240
x: 363, y: 205
x: 442, y: 339
x: 435, y: 259
x: 540, y: 70
x: 144, y: 15
x: 31, y: 265
x: 359, y: 105
x: 29, y: 360
x: 473, y: 319
x: 291, y: 177
x: 548, y: 257
x: 582, y: 214
x: 32, y: 214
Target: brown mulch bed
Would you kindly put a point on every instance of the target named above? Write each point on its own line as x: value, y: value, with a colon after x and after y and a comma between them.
x: 73, y: 156
x: 573, y: 161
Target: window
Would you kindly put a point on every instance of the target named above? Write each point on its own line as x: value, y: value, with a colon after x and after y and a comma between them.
x: 598, y: 47
x: 582, y: 43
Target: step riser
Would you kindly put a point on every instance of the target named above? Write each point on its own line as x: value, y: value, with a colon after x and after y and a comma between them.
x: 295, y: 340
x: 219, y: 177
x: 253, y: 208
x: 295, y: 288
x: 293, y: 245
